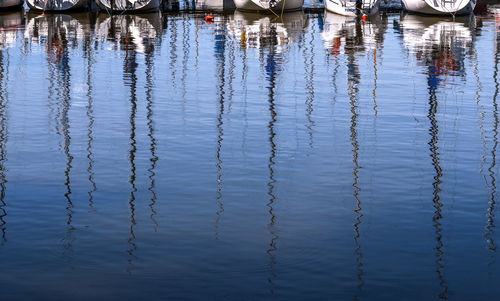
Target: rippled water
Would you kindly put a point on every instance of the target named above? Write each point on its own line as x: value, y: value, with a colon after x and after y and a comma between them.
x: 313, y: 157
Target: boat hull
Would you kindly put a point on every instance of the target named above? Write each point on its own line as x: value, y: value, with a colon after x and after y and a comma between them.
x: 126, y: 5
x: 348, y: 8
x: 55, y: 5
x: 266, y: 5
x: 427, y: 7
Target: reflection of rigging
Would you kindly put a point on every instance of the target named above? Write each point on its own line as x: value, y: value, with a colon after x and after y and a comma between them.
x: 3, y: 150
x: 433, y: 143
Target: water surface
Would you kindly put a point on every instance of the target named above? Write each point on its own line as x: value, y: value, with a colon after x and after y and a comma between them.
x: 313, y: 157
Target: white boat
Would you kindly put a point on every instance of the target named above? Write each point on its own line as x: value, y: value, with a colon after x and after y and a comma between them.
x: 128, y: 5
x: 440, y: 7
x: 217, y: 5
x: 353, y: 7
x: 275, y: 6
x: 57, y: 5
x: 9, y: 4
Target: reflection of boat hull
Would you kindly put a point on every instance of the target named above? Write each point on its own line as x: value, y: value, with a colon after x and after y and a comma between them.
x: 10, y: 22
x: 259, y: 31
x: 11, y: 4
x: 339, y: 29
x: 56, y: 5
x: 433, y: 7
x: 127, y: 5
x: 139, y: 30
x: 42, y: 28
x: 439, y: 43
x: 265, y: 5
x: 349, y: 7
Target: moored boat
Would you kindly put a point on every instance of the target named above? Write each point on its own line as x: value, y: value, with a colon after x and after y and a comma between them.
x: 353, y: 7
x: 440, y: 7
x: 276, y: 6
x: 57, y: 5
x: 129, y: 5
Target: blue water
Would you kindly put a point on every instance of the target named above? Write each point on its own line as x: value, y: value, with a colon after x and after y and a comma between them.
x: 317, y: 157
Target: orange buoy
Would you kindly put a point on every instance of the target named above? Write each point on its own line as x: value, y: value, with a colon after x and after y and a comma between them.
x: 209, y: 18
x: 363, y: 17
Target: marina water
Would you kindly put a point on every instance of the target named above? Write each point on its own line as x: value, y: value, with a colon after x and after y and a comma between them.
x: 308, y: 157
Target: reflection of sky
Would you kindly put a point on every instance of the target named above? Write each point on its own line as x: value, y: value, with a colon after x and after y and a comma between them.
x: 176, y: 255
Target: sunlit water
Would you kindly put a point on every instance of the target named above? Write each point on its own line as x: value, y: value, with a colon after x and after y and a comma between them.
x: 313, y: 157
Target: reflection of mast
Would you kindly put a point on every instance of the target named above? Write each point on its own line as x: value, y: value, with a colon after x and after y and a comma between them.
x: 272, y: 68
x: 244, y: 76
x: 309, y: 79
x: 433, y: 131
x: 173, y: 49
x: 130, y: 67
x: 185, y: 50
x: 220, y: 48
x: 62, y: 54
x: 3, y: 150
x: 353, y: 81
x: 90, y: 116
x: 490, y: 212
x: 232, y: 66
x: 152, y: 139
x: 375, y: 77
